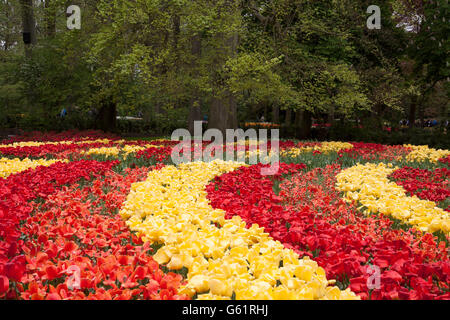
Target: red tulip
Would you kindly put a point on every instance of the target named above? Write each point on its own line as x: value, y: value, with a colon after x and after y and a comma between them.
x: 4, y: 285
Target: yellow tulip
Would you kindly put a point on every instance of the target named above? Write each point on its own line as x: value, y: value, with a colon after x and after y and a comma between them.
x: 369, y: 184
x: 11, y: 166
x: 222, y: 256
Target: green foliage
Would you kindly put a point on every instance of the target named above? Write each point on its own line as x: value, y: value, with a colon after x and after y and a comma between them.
x: 336, y: 87
x: 11, y: 91
x: 253, y: 79
x: 162, y: 59
x: 431, y: 46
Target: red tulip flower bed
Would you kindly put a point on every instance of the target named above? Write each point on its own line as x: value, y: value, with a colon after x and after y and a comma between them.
x: 17, y: 190
x: 374, y: 151
x: 15, y: 193
x: 56, y: 150
x: 445, y: 160
x: 77, y: 232
x: 310, y: 217
x: 433, y: 185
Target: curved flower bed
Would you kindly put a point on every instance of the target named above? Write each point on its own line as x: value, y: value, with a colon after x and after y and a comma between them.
x: 57, y: 149
x: 223, y: 258
x: 156, y: 154
x: 369, y: 184
x: 374, y: 151
x: 432, y: 185
x: 77, y: 235
x: 320, y: 147
x: 423, y: 153
x: 310, y: 217
x: 15, y: 193
x: 124, y: 151
x: 10, y: 166
x: 23, y: 144
x: 140, y: 228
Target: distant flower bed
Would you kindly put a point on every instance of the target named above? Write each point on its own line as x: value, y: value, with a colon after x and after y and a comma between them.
x: 265, y: 125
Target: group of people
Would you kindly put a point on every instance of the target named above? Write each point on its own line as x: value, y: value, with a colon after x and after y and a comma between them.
x: 427, y: 123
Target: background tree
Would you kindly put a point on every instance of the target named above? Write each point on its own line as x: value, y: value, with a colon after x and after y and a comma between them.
x: 174, y: 62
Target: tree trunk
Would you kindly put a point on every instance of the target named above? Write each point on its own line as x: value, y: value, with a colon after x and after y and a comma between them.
x: 176, y: 30
x: 7, y: 34
x: 298, y: 118
x: 412, y: 112
x: 107, y: 116
x: 28, y: 26
x: 275, y: 113
x: 232, y: 120
x: 288, y: 117
x: 422, y: 115
x: 195, y: 113
x: 330, y: 118
x: 156, y: 110
x: 223, y: 111
x: 379, y: 116
x: 303, y: 122
x: 50, y: 18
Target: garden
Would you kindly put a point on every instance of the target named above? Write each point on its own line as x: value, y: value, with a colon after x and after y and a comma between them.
x: 192, y: 150
x: 89, y: 215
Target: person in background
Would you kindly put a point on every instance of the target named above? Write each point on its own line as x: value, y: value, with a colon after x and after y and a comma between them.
x: 205, y: 122
x: 63, y: 113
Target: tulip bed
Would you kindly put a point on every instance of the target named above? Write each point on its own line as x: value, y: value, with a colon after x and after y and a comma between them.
x: 84, y: 215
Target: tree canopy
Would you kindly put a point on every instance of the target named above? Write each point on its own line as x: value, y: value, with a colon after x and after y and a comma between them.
x: 176, y: 61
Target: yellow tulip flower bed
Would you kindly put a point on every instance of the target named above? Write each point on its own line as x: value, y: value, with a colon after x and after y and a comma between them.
x: 369, y: 184
x: 423, y: 153
x: 38, y: 143
x: 322, y: 147
x: 223, y: 258
x: 11, y: 166
x: 126, y: 150
x: 112, y: 151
